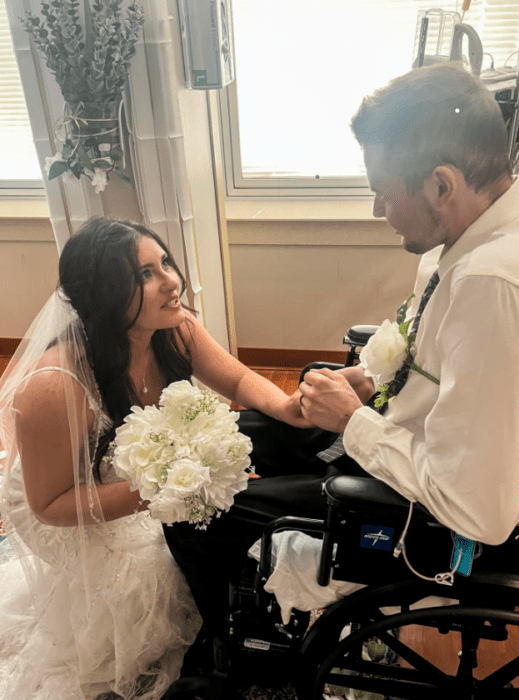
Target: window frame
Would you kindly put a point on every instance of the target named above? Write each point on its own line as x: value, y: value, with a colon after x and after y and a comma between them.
x: 22, y: 188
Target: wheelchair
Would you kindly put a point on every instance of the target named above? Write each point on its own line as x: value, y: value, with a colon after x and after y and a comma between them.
x: 369, y: 641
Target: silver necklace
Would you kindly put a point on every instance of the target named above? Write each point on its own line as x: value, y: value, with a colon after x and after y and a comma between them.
x: 144, y: 389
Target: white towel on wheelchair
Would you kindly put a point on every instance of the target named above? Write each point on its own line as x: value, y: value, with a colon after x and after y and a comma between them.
x: 295, y: 563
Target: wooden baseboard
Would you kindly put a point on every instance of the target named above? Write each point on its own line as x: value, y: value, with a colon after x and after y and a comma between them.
x: 8, y: 346
x: 277, y: 357
x: 252, y: 357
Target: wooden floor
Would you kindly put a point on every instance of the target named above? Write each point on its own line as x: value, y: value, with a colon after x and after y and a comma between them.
x: 286, y: 379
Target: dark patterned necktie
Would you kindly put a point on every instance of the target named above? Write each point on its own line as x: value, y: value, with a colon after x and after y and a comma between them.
x: 337, y: 448
x: 403, y: 373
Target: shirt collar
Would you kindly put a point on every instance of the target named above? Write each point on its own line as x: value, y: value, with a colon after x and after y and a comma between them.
x: 498, y: 215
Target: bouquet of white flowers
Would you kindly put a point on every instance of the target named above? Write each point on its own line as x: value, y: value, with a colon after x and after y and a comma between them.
x: 186, y: 457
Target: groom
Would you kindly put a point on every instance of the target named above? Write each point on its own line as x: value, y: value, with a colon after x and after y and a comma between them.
x: 435, y: 148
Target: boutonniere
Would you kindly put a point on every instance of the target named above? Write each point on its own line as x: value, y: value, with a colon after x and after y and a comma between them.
x: 391, y: 348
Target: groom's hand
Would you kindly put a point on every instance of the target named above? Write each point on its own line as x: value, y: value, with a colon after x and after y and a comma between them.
x: 363, y: 386
x: 328, y: 400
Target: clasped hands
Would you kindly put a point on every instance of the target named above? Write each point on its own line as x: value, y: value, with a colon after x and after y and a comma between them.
x: 328, y: 399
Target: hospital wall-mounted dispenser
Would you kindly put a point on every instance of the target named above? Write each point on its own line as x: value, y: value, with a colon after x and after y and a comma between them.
x: 207, y: 43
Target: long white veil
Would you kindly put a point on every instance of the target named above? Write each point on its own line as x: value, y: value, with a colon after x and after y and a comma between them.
x: 94, y: 609
x: 55, y: 339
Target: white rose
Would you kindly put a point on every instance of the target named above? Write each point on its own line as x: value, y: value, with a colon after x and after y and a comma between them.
x: 185, y: 478
x: 211, y: 448
x: 141, y: 464
x: 174, y: 449
x: 385, y: 353
x: 138, y: 426
x: 222, y: 449
x: 241, y: 447
x: 178, y: 396
x: 219, y: 421
x: 168, y: 510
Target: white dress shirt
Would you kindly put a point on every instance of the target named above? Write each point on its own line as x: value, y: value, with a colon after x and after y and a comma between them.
x: 454, y: 447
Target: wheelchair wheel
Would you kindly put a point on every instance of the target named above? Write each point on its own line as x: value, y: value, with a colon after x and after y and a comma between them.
x: 375, y: 654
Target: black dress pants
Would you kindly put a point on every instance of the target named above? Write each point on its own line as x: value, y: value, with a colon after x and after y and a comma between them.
x: 291, y: 484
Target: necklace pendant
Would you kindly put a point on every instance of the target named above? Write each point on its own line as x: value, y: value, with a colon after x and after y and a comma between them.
x: 144, y: 389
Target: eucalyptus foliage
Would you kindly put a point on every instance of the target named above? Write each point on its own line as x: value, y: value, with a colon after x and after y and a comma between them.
x: 91, y: 68
x: 90, y: 65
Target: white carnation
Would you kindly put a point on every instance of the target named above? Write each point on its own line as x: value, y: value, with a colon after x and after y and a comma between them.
x: 385, y: 353
x: 140, y: 421
x: 220, y: 492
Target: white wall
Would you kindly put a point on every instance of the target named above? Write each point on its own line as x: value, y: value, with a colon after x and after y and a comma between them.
x: 286, y: 295
x: 28, y: 272
x: 305, y: 296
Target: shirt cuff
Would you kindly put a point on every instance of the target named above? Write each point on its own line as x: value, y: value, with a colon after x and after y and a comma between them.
x: 362, y: 433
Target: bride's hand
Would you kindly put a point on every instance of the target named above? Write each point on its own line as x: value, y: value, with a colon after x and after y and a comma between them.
x: 291, y: 412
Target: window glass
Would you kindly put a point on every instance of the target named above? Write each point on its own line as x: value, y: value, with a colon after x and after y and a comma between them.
x: 303, y: 68
x: 18, y: 161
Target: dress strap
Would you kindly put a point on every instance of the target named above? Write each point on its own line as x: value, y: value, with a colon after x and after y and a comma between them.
x: 94, y: 406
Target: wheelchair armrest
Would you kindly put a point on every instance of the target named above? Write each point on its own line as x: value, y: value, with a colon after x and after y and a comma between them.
x: 319, y: 365
x: 356, y: 336
x: 369, y: 495
x: 359, y: 335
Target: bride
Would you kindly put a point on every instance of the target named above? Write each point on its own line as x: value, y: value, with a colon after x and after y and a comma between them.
x: 93, y: 606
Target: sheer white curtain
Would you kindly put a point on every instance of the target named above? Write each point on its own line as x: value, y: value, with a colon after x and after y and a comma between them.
x: 156, y: 140
x: 70, y: 202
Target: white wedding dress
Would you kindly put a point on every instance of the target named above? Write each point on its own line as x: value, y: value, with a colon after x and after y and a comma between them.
x: 127, y: 640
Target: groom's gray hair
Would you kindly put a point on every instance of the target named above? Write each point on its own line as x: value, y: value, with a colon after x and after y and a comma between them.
x: 438, y: 115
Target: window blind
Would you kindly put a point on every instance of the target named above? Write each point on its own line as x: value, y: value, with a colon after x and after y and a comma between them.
x: 18, y: 161
x: 303, y: 68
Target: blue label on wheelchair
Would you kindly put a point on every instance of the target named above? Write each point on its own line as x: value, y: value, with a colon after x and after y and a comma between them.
x: 463, y: 555
x: 377, y: 537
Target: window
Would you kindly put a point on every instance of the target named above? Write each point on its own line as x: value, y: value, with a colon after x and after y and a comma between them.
x: 19, y: 168
x: 302, y: 70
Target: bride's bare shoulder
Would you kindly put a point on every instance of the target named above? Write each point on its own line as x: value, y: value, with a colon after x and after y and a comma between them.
x: 49, y: 386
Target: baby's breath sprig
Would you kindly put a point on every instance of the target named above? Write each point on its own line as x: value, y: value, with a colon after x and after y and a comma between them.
x: 201, y: 513
x: 206, y: 404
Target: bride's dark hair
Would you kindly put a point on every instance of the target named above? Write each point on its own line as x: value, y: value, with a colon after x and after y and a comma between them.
x: 99, y: 273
